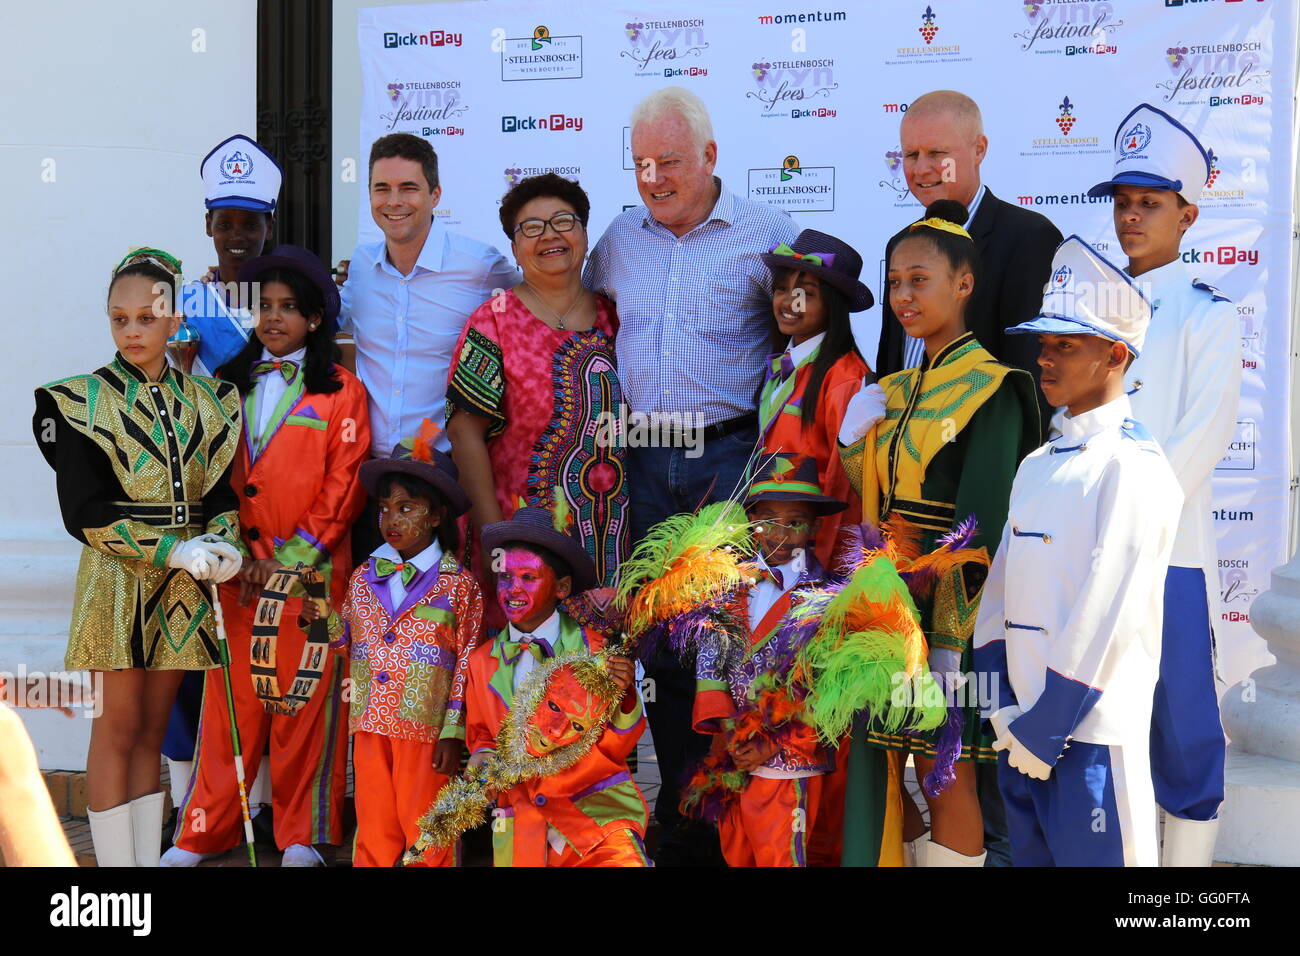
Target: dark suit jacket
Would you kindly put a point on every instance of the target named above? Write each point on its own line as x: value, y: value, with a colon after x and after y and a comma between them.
x: 1016, y: 247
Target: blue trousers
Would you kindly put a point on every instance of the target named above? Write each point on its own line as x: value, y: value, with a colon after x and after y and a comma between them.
x: 1094, y: 810
x: 1187, y: 746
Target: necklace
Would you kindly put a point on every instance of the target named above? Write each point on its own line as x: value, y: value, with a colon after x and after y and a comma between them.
x: 559, y: 318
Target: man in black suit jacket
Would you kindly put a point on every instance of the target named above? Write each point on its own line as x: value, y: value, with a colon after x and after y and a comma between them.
x: 943, y: 143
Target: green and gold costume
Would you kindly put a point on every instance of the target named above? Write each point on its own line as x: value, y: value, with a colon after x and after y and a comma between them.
x: 141, y: 465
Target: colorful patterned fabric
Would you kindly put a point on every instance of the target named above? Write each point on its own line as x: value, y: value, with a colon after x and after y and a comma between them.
x: 142, y: 465
x: 551, y: 396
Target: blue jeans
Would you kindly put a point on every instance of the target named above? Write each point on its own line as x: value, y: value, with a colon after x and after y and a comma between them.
x: 664, y: 482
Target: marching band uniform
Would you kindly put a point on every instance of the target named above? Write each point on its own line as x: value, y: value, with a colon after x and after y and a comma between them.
x: 1069, y: 622
x: 592, y: 813
x: 771, y: 822
x: 1184, y: 389
x: 411, y: 626
x: 296, y: 475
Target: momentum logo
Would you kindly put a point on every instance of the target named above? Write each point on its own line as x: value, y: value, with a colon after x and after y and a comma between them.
x: 819, y: 16
x: 1062, y: 199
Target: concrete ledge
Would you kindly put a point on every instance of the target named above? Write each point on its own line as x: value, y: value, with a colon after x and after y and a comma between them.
x: 1261, y: 811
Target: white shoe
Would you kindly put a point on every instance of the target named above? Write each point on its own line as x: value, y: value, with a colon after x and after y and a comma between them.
x: 1188, y: 842
x: 936, y: 854
x: 176, y: 856
x: 300, y: 854
x: 111, y: 832
x: 146, y: 828
x: 914, y: 850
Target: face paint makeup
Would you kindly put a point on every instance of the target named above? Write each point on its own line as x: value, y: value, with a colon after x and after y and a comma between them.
x: 565, y: 714
x: 406, y: 523
x: 527, y: 589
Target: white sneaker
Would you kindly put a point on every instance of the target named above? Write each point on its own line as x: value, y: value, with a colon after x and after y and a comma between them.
x: 300, y: 854
x: 1188, y: 842
x: 179, y: 857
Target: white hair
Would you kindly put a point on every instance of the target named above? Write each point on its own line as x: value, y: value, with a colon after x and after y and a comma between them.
x: 676, y: 100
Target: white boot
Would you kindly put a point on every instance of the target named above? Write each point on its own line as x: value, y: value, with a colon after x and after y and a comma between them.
x: 300, y: 854
x: 146, y: 828
x: 1188, y: 842
x: 936, y: 854
x: 914, y: 850
x: 179, y: 771
x: 175, y: 856
x: 111, y: 832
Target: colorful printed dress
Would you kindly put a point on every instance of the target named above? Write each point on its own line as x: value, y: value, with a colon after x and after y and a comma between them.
x: 141, y: 466
x: 552, y: 397
x: 954, y: 432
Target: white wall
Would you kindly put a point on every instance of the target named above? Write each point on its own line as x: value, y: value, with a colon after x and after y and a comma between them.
x: 108, y: 108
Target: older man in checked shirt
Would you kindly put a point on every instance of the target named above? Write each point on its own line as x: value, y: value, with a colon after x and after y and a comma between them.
x: 695, y: 331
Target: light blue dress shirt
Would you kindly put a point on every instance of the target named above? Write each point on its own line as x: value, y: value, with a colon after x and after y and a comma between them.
x: 406, y: 326
x: 695, y: 312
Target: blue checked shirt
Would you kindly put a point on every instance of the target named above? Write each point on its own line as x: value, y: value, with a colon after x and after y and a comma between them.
x: 406, y: 327
x: 694, y: 312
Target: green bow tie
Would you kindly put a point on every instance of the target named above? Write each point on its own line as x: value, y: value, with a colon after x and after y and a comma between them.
x: 288, y: 369
x: 812, y: 258
x: 539, y: 647
x: 385, y: 568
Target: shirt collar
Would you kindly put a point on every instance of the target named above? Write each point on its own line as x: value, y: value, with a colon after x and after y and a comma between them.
x: 548, y: 630
x: 948, y: 351
x: 431, y: 253
x: 805, y: 348
x: 123, y: 365
x: 975, y: 205
x: 724, y: 209
x: 423, y: 561
x: 791, y: 571
x: 295, y: 356
x: 1079, y: 428
x: 1154, y: 281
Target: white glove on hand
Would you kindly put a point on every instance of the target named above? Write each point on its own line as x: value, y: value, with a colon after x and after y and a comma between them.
x: 865, y: 409
x: 1021, y: 757
x: 1000, y: 720
x: 195, y: 557
x: 229, y: 560
x: 945, y: 668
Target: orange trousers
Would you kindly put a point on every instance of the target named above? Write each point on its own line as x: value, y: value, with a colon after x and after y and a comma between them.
x: 827, y: 840
x: 528, y: 846
x: 770, y: 823
x: 308, y: 751
x: 395, y: 783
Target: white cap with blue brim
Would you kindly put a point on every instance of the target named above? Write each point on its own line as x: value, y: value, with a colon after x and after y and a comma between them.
x: 1089, y: 295
x: 239, y: 174
x: 1154, y: 150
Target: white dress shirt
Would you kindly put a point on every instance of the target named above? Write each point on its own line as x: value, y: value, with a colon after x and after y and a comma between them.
x: 548, y: 630
x: 423, y: 561
x: 270, y: 388
x: 406, y: 326
x: 765, y: 593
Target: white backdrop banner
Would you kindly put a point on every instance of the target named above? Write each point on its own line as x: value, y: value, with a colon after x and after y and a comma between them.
x: 806, y: 99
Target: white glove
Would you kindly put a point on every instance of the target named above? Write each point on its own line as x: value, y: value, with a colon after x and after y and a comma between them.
x: 229, y: 560
x: 195, y: 557
x: 1001, y: 719
x: 865, y: 409
x: 945, y: 668
x: 1021, y: 757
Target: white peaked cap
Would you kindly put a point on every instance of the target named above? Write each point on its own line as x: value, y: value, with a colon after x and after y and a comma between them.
x: 239, y: 174
x: 1155, y: 150
x: 1088, y: 295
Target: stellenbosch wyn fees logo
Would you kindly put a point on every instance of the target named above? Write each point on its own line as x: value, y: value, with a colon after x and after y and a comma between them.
x: 793, y: 83
x: 516, y: 173
x: 1225, y: 67
x: 541, y: 57
x: 433, y: 38
x: 1085, y: 23
x: 424, y: 103
x: 654, y: 46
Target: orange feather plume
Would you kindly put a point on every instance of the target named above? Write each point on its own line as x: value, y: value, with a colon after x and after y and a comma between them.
x: 424, y: 439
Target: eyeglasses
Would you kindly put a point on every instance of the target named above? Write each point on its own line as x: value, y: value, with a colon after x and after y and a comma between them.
x: 560, y: 222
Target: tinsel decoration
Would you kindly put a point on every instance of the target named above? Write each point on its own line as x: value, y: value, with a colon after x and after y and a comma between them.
x: 463, y: 802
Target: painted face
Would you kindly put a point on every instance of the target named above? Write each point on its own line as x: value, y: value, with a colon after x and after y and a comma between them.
x: 141, y: 326
x: 238, y: 235
x: 941, y: 157
x: 552, y: 253
x: 798, y: 306
x: 281, y: 327
x: 1075, y: 367
x: 407, y: 523
x: 784, y: 528
x: 564, y: 715
x: 1149, y: 224
x: 925, y: 292
x: 401, y: 201
x: 674, y: 174
x: 527, y: 588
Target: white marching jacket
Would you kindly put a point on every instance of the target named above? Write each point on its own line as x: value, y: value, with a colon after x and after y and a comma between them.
x: 1069, y: 625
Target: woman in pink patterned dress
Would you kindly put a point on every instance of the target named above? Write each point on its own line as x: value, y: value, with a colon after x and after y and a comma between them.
x: 533, y: 394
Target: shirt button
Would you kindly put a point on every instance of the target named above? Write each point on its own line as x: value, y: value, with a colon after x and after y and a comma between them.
x: 668, y: 315
x: 253, y: 534
x: 1047, y: 539
x: 250, y: 491
x: 162, y: 411
x: 390, y: 637
x: 153, y: 388
x: 382, y: 677
x: 176, y: 484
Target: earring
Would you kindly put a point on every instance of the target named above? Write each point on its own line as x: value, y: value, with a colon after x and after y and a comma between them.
x: 311, y: 328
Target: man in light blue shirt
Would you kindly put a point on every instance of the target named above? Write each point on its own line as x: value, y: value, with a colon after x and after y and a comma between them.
x: 695, y: 330
x: 407, y: 297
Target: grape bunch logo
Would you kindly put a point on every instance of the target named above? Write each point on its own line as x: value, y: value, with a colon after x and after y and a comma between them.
x: 540, y: 35
x: 658, y: 47
x: 928, y: 28
x: 1175, y: 56
x: 1065, y: 122
x: 789, y: 167
x: 513, y: 176
x: 760, y: 71
x: 1032, y: 8
x: 1214, y: 169
x: 795, y: 88
x: 895, y: 181
x: 633, y: 31
x: 395, y: 91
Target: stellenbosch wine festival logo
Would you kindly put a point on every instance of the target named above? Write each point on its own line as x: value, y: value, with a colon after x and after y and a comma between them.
x: 794, y: 186
x: 926, y: 45
x: 665, y: 48
x: 515, y: 174
x: 1065, y: 120
x: 894, y: 180
x: 796, y: 89
x: 425, y: 108
x: 541, y: 56
x: 1069, y: 27
x: 1214, y: 74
